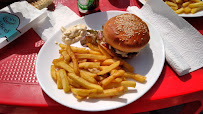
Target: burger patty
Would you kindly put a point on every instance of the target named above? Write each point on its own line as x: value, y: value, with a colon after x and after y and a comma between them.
x: 114, y: 52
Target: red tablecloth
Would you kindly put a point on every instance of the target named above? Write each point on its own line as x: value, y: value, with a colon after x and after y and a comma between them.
x: 20, y: 91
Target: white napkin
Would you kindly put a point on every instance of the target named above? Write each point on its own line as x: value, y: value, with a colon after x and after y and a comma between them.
x: 22, y: 17
x: 61, y: 16
x: 183, y: 43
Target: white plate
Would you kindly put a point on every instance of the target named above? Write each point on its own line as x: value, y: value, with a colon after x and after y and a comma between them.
x: 149, y: 62
x: 198, y: 14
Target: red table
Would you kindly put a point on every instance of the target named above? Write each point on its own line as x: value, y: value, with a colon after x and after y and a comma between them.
x: 20, y: 91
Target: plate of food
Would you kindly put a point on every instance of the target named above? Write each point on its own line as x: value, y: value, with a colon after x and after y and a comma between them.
x: 191, y: 8
x: 101, y: 62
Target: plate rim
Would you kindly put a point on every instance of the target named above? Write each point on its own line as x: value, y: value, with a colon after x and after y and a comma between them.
x: 49, y: 40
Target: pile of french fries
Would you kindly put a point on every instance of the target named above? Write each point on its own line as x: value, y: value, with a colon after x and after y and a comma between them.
x: 185, y: 6
x: 92, y: 73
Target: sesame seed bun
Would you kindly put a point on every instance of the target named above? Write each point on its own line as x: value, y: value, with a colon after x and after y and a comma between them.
x: 126, y: 32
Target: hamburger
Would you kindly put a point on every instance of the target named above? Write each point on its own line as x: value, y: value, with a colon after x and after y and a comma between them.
x: 122, y: 36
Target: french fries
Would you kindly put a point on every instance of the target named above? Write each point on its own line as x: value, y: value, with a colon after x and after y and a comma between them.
x: 119, y: 80
x: 134, y: 76
x: 53, y: 72
x: 85, y: 83
x: 72, y: 83
x: 194, y: 10
x: 74, y: 60
x: 196, y: 5
x: 83, y: 92
x: 64, y: 80
x: 109, y: 68
x: 66, y: 56
x: 94, y: 50
x: 179, y: 11
x: 87, y: 65
x: 109, y: 92
x: 92, y: 73
x: 108, y: 80
x: 85, y: 76
x: 127, y: 66
x: 93, y: 47
x: 104, y: 52
x: 79, y: 50
x: 59, y: 82
x: 128, y: 84
x: 185, y: 6
x: 91, y: 56
x: 64, y: 65
x: 89, y: 73
x: 123, y: 83
x: 108, y: 62
x: 84, y: 50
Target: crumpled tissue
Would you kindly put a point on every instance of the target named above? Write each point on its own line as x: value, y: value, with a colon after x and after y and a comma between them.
x: 183, y: 43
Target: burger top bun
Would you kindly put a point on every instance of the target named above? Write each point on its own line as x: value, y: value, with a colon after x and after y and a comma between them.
x: 126, y: 32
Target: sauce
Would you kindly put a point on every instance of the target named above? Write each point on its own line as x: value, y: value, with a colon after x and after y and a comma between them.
x: 73, y: 34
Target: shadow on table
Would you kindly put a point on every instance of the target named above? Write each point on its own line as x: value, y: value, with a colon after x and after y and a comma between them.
x: 195, y: 22
x: 28, y: 43
x: 183, y: 78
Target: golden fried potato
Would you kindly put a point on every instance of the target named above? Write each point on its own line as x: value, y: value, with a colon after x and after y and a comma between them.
x: 85, y: 83
x: 64, y: 80
x: 109, y: 93
x: 109, y: 68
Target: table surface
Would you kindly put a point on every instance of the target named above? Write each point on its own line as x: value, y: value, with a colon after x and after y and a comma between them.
x: 19, y: 85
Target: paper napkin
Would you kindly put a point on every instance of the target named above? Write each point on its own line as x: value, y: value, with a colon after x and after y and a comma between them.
x: 61, y: 16
x: 183, y: 43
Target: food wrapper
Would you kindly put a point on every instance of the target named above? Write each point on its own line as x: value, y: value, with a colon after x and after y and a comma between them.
x: 16, y: 19
x: 183, y: 43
